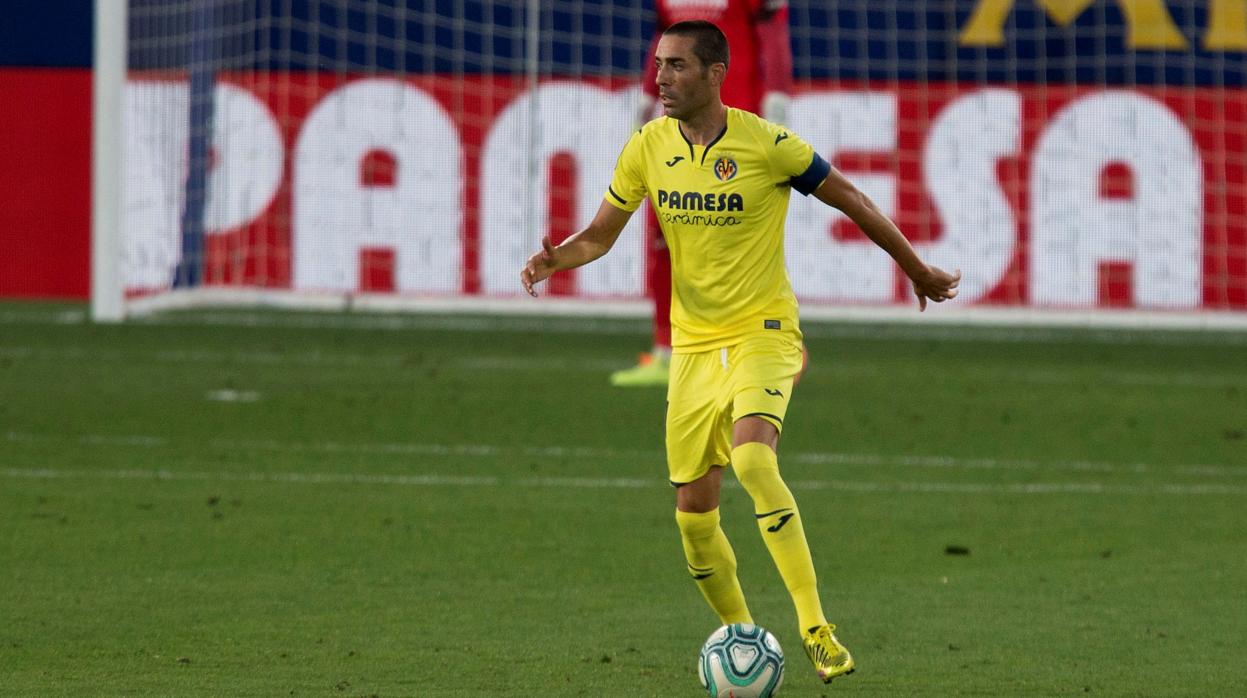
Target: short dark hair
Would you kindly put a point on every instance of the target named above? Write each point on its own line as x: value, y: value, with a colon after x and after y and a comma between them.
x: 709, y: 43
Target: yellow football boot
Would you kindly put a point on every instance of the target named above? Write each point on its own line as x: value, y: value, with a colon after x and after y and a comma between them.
x: 651, y: 370
x: 830, y: 658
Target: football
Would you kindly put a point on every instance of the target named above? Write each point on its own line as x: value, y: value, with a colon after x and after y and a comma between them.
x: 741, y: 661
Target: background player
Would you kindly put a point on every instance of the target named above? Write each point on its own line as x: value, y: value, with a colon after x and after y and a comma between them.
x: 760, y: 81
x: 719, y: 179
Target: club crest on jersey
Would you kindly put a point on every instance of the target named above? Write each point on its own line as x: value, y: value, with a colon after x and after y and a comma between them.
x: 725, y: 168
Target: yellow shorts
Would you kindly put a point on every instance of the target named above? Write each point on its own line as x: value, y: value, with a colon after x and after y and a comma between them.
x: 710, y: 390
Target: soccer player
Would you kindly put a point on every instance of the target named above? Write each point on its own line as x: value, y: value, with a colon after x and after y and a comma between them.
x: 720, y: 180
x: 760, y: 82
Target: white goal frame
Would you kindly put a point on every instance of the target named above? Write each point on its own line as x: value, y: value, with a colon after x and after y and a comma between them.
x: 108, y: 76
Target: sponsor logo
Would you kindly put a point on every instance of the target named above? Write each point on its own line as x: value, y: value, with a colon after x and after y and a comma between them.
x: 781, y: 137
x: 774, y: 392
x: 698, y: 201
x: 674, y: 160
x: 770, y: 324
x: 699, y: 219
x: 1059, y: 253
x: 1149, y: 23
x: 674, y: 207
x: 783, y: 520
x: 725, y: 169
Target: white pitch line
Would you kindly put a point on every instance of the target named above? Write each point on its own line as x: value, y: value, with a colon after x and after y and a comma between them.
x: 426, y: 449
x: 506, y: 362
x: 1019, y: 488
x: 226, y: 476
x: 867, y: 459
x: 1004, y: 333
x: 589, y: 453
x: 440, y: 480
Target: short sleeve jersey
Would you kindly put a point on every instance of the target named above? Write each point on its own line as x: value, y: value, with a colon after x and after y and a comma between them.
x: 722, y: 209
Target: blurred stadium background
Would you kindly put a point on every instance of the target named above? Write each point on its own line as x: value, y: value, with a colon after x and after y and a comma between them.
x: 226, y: 495
x: 1070, y: 156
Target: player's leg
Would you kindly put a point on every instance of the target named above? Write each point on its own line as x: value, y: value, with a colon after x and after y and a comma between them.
x: 763, y: 378
x: 652, y: 367
x: 711, y: 561
x: 696, y: 455
x: 779, y: 519
x: 753, y: 456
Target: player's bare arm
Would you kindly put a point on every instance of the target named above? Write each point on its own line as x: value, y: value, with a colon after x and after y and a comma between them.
x: 929, y: 282
x: 577, y: 250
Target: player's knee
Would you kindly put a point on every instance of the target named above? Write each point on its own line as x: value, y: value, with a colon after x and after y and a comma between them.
x: 697, y: 525
x: 705, y: 548
x: 758, y: 471
x: 700, y: 495
x: 754, y: 463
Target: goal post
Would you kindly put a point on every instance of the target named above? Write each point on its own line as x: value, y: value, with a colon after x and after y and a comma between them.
x: 1080, y: 162
x: 107, y: 131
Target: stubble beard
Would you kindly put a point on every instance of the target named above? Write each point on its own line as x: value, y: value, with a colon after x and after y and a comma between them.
x: 687, y: 108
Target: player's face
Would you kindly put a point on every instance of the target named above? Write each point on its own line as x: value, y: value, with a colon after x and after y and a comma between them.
x: 685, y: 86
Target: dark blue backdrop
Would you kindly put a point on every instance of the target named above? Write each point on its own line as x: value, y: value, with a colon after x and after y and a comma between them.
x: 880, y: 39
x: 56, y: 33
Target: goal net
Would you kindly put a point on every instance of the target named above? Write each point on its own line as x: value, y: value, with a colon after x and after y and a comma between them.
x: 1074, y: 158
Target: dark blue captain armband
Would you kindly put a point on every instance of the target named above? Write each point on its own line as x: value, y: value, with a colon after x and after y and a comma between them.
x: 808, y: 181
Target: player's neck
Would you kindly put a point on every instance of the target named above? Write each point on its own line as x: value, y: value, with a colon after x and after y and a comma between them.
x: 706, y: 125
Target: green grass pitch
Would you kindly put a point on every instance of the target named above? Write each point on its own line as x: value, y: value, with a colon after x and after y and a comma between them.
x: 278, y: 504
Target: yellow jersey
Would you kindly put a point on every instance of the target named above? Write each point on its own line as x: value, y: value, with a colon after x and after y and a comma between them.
x: 722, y: 209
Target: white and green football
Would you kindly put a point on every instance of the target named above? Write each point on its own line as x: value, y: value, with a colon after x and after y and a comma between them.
x: 741, y: 661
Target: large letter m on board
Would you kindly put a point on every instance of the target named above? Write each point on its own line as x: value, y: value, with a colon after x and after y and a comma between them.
x: 1148, y: 22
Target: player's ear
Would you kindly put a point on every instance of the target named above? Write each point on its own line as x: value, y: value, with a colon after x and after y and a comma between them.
x: 718, y: 73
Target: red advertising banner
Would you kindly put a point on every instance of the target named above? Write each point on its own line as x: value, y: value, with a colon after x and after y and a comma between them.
x: 45, y: 183
x: 1045, y: 197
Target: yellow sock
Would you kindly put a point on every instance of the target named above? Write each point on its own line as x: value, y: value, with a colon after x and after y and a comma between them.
x: 712, y: 564
x: 780, y: 523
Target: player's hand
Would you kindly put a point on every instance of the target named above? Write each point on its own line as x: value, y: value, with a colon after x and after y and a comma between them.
x: 935, y: 284
x: 539, y: 267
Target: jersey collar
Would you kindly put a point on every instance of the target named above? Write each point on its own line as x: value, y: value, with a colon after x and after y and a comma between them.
x: 708, y: 145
